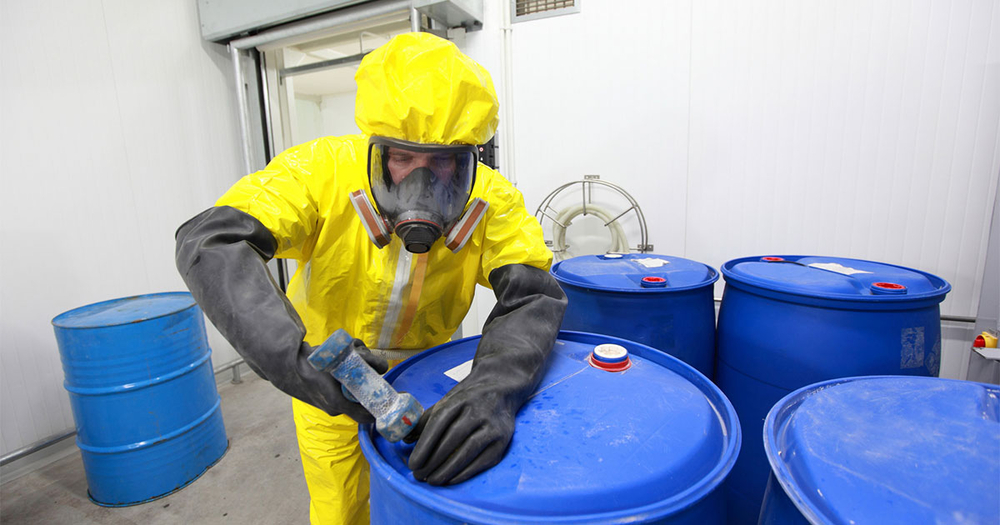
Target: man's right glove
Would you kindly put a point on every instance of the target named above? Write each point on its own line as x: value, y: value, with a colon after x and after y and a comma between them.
x: 222, y: 256
x: 468, y: 430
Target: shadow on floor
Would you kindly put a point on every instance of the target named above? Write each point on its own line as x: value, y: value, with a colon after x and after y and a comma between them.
x: 259, y: 480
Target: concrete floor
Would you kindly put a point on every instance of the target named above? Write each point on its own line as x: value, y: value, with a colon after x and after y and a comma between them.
x: 259, y: 480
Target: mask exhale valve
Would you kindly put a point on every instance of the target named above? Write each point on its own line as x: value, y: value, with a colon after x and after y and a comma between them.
x: 418, y: 237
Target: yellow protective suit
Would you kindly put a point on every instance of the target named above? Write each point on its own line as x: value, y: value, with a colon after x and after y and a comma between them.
x: 418, y: 88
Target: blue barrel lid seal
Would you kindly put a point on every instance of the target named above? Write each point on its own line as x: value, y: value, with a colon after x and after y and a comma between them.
x: 634, y: 272
x: 835, y: 279
x: 610, y: 358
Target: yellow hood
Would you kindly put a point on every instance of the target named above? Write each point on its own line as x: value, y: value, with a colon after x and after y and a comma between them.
x: 421, y: 88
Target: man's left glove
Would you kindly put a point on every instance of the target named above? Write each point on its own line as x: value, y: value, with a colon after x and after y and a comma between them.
x: 468, y: 430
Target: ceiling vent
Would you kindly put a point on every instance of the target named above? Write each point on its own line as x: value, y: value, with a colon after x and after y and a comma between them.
x: 524, y: 10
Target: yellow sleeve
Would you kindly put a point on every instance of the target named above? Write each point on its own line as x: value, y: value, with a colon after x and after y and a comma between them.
x: 280, y: 197
x: 513, y: 236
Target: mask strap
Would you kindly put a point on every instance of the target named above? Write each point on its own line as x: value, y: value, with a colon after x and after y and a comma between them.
x: 375, y: 225
x: 461, y: 232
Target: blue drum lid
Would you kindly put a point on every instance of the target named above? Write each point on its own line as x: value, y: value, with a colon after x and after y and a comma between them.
x: 634, y: 272
x: 836, y: 278
x: 889, y: 449
x: 588, y: 445
x: 125, y: 310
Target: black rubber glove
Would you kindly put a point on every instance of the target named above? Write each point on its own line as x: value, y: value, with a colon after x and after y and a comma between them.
x: 222, y: 256
x: 468, y: 430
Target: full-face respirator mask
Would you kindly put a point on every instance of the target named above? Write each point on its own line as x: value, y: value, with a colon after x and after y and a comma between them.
x: 421, y: 192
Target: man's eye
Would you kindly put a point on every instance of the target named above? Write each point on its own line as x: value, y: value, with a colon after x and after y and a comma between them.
x: 396, y: 157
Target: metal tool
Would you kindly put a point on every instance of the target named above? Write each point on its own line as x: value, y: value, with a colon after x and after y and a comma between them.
x: 395, y: 413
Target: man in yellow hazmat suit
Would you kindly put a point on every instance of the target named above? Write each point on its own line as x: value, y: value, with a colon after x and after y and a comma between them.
x: 391, y: 230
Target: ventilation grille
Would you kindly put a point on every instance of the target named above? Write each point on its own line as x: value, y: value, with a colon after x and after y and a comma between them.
x: 531, y: 9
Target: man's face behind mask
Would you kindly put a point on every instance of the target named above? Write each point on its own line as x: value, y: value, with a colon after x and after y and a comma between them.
x: 420, y: 189
x: 402, y: 162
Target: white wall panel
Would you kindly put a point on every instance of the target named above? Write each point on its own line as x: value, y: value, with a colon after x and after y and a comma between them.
x: 117, y: 125
x: 606, y: 92
x: 854, y: 129
x: 308, y: 120
x: 338, y: 114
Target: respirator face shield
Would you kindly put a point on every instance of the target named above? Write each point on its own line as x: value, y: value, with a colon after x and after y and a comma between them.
x: 421, y: 190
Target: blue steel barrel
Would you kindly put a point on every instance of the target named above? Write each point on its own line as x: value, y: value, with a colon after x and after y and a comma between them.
x: 659, y: 301
x: 887, y: 450
x: 790, y: 321
x: 140, y: 382
x: 616, y: 432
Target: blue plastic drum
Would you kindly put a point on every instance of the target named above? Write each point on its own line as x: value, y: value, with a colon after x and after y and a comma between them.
x: 664, y: 302
x: 624, y: 435
x: 140, y: 382
x: 787, y: 322
x: 886, y: 450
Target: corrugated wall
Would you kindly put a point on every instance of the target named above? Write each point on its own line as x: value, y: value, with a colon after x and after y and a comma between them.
x: 116, y: 125
x: 857, y: 129
x: 607, y: 92
x: 860, y: 129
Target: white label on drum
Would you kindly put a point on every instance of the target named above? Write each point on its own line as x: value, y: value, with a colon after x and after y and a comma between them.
x: 650, y: 262
x: 461, y: 371
x: 912, y: 341
x: 838, y: 268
